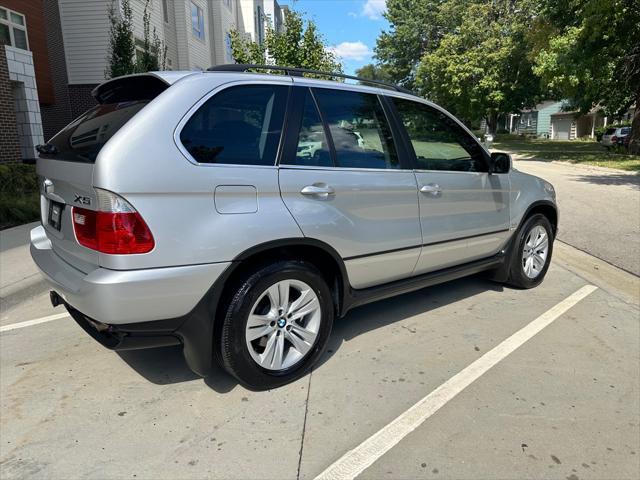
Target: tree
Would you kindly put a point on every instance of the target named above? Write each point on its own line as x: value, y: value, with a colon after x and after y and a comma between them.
x: 592, y: 55
x: 416, y: 28
x: 379, y: 73
x: 481, y: 67
x: 121, y: 44
x: 298, y: 45
x: 154, y: 52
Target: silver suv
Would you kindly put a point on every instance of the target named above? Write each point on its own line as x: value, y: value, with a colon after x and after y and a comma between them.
x: 238, y: 214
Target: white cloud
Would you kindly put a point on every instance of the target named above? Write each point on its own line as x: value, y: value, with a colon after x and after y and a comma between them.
x: 374, y: 9
x: 351, y: 50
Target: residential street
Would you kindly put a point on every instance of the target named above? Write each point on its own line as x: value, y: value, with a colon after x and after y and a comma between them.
x: 599, y: 209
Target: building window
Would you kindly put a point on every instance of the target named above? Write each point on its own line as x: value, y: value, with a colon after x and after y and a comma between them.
x: 229, y: 4
x: 165, y: 11
x: 228, y: 50
x: 197, y: 21
x: 13, y: 29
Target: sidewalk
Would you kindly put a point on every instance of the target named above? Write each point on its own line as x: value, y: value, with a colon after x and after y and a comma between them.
x: 19, y: 277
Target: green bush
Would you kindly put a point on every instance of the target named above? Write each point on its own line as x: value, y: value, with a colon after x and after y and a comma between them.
x: 19, y: 195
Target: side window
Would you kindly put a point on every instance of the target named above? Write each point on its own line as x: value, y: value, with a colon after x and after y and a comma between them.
x: 313, y: 149
x: 438, y: 141
x: 359, y: 129
x: 240, y: 125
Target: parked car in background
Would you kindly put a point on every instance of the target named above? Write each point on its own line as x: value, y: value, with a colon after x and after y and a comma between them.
x: 615, y: 136
x: 239, y: 214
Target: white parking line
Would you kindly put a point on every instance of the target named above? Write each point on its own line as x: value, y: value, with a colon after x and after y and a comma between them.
x: 28, y: 323
x: 355, y: 461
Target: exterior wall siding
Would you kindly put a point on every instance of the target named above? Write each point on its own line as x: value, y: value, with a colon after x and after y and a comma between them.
x: 223, y: 20
x: 85, y: 29
x: 170, y: 37
x: 199, y: 51
x: 183, y: 30
x: 545, y: 110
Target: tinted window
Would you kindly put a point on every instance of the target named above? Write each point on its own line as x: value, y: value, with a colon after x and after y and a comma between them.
x: 610, y: 131
x: 359, y: 129
x: 625, y: 131
x: 82, y: 139
x: 313, y: 148
x: 438, y: 141
x: 240, y: 125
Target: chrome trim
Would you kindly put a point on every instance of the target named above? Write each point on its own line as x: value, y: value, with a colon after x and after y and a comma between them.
x: 342, y: 169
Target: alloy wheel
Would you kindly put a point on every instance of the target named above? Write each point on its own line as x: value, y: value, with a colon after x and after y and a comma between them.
x: 535, y: 251
x: 283, y: 325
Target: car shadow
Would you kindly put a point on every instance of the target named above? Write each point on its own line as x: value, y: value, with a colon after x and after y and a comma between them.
x: 166, y: 365
x: 610, y: 179
x: 386, y: 312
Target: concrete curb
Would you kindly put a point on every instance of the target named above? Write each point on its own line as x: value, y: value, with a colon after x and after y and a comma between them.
x: 22, y: 290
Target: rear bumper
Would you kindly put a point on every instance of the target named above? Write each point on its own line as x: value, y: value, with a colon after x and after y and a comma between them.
x: 116, y: 297
x: 126, y: 337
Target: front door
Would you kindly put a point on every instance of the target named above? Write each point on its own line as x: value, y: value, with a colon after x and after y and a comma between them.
x: 342, y: 179
x: 464, y: 210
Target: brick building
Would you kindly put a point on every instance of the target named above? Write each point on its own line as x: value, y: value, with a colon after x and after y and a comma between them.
x: 24, y: 53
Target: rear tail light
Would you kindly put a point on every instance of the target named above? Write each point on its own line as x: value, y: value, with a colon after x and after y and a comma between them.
x: 613, y: 139
x: 115, y: 228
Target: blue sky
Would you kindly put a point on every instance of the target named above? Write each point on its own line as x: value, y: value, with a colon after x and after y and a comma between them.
x: 349, y: 26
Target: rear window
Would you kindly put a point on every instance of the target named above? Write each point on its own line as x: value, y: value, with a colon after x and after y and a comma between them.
x: 239, y: 126
x: 610, y: 131
x: 82, y: 139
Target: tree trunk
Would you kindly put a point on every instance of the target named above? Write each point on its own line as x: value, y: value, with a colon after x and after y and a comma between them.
x: 492, y: 123
x: 634, y: 142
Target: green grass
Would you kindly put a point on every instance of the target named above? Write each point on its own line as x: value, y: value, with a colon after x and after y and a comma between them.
x: 576, y: 151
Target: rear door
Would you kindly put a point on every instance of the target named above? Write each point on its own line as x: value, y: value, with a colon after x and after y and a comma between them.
x: 464, y: 210
x: 65, y: 167
x: 346, y: 184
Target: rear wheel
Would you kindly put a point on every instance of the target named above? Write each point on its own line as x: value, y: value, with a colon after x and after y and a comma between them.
x: 276, y: 325
x: 531, y: 253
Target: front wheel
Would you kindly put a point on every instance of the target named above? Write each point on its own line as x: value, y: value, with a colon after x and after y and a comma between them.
x: 531, y: 253
x: 276, y: 325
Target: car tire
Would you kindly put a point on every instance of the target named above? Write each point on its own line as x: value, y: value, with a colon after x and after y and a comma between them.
x: 528, y: 263
x: 266, y: 305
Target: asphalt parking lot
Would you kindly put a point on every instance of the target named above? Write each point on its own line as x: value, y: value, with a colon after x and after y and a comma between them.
x: 564, y: 404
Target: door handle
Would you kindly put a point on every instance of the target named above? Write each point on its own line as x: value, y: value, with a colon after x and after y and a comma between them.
x: 320, y: 191
x: 431, y: 189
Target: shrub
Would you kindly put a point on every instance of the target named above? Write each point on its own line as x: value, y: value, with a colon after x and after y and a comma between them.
x: 19, y: 194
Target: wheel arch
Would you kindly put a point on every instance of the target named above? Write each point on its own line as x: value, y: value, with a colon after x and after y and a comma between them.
x: 321, y: 255
x: 546, y: 208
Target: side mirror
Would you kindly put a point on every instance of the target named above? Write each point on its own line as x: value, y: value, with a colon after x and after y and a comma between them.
x: 500, y: 162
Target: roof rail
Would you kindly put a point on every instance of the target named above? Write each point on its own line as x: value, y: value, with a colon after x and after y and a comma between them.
x: 299, y: 72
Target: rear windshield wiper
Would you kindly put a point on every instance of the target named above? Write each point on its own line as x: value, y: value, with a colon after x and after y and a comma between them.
x: 47, y: 149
